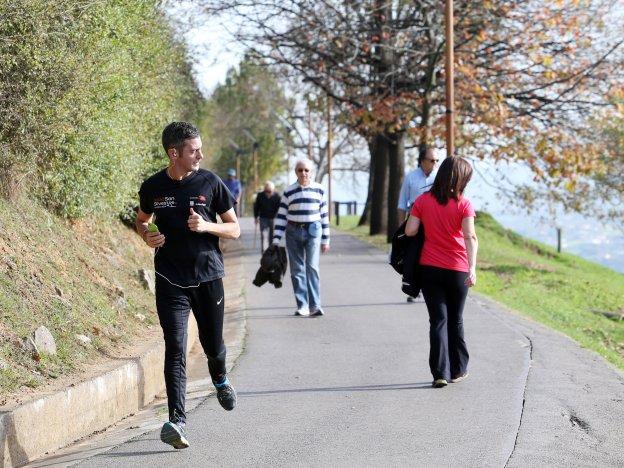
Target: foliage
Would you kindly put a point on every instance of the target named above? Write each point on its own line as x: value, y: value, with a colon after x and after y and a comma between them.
x: 86, y: 88
x: 529, y: 74
x: 248, y: 105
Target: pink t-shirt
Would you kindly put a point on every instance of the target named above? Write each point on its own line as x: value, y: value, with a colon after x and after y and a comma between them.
x: 444, y: 245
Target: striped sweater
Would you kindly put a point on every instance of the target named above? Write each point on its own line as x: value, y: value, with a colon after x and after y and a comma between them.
x: 302, y: 205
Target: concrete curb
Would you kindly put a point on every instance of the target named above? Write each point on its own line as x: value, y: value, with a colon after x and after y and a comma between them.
x: 48, y: 423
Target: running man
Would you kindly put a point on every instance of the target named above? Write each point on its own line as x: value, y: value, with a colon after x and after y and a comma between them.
x: 185, y: 201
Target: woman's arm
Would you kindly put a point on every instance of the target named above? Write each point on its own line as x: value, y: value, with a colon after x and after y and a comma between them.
x: 411, y: 228
x: 472, y: 246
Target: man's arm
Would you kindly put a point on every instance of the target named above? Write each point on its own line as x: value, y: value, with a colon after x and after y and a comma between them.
x: 228, y: 229
x: 280, y: 220
x: 153, y: 239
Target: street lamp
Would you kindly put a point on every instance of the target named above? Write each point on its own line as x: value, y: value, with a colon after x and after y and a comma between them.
x: 450, y: 123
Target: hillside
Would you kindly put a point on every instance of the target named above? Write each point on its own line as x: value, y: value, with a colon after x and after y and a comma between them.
x: 569, y: 294
x: 75, y: 279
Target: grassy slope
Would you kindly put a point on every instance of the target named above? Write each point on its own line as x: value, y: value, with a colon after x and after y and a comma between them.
x: 93, y: 264
x: 559, y: 290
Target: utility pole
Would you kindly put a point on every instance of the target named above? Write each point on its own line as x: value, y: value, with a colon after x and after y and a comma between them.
x: 309, y: 133
x: 450, y: 80
x: 329, y: 156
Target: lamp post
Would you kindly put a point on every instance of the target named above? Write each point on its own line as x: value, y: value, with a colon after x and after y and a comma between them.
x: 450, y: 79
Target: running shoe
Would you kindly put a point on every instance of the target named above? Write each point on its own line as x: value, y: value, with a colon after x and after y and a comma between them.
x: 316, y: 312
x: 226, y: 395
x: 459, y: 378
x: 173, y: 434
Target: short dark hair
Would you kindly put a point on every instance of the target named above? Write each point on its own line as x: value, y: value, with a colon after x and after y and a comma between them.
x: 451, y: 180
x: 175, y: 133
x: 422, y: 152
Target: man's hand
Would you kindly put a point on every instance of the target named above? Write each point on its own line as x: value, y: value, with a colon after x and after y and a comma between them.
x: 196, y: 223
x: 256, y: 220
x: 324, y: 248
x: 154, y: 239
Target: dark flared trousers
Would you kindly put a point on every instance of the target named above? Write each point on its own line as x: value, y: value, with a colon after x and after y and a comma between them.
x: 445, y: 294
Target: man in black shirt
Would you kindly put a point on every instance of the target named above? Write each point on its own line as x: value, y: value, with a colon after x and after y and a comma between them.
x: 185, y: 201
x: 265, y: 209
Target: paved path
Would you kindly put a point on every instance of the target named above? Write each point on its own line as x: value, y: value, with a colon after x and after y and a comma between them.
x: 353, y: 388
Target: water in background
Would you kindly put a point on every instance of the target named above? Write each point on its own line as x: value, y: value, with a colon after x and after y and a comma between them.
x: 594, y: 240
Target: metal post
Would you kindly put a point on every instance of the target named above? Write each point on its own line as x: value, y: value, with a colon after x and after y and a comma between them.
x: 329, y: 155
x: 337, y: 212
x: 450, y: 80
x: 559, y: 240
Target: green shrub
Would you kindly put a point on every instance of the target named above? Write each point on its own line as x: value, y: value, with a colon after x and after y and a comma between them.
x: 87, y: 88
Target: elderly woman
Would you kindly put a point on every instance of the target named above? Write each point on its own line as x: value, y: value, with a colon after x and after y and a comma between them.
x: 448, y: 266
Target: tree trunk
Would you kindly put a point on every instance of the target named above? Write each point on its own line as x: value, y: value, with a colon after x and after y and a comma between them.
x: 369, y: 194
x: 396, y: 169
x: 378, y: 214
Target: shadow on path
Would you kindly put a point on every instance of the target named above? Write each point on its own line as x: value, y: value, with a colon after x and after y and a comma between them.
x: 353, y: 388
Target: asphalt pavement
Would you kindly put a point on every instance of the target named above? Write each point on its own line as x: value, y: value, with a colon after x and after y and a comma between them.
x: 353, y: 388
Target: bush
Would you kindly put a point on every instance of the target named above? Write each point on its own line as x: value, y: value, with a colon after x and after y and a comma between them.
x: 86, y: 89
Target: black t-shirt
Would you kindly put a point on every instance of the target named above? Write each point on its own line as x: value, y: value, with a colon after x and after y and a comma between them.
x: 187, y: 258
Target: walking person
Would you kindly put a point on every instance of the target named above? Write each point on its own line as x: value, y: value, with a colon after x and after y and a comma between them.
x: 265, y: 209
x: 303, y: 216
x: 235, y: 188
x: 185, y: 200
x: 417, y: 182
x: 448, y: 265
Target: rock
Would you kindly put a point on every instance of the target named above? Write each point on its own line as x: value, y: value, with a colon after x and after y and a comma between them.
x: 147, y: 278
x: 119, y: 290
x: 44, y: 341
x: 3, y: 365
x: 84, y: 340
x: 140, y: 317
x: 121, y: 303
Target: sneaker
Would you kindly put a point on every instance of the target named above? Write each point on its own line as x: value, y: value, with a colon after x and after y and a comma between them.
x: 316, y: 312
x: 302, y: 312
x: 226, y: 395
x: 410, y: 299
x: 173, y: 434
x: 459, y: 378
x: 439, y: 383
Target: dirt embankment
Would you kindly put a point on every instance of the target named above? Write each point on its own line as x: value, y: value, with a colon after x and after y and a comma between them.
x: 78, y: 280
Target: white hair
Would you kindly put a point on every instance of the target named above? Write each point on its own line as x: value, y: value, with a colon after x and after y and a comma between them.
x: 269, y: 184
x: 304, y: 162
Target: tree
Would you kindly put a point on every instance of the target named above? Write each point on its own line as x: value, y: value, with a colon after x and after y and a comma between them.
x: 529, y: 74
x: 243, y: 113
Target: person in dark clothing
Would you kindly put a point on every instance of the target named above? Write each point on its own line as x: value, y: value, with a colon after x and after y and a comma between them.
x: 448, y: 266
x: 185, y: 201
x: 265, y: 209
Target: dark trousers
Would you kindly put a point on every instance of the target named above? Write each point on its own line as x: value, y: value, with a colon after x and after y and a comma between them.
x: 266, y: 224
x: 445, y: 295
x: 174, y: 304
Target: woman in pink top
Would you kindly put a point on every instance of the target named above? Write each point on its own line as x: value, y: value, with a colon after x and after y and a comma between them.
x: 448, y: 266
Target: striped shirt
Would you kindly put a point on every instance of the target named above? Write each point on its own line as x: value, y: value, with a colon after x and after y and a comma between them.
x: 302, y: 205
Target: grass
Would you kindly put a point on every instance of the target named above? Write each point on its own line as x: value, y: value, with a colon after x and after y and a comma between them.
x: 560, y: 290
x: 69, y: 278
